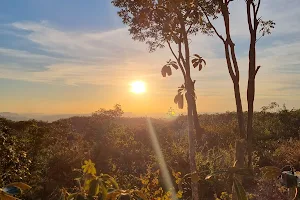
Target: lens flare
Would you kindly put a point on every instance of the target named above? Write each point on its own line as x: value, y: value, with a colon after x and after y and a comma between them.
x: 161, y: 161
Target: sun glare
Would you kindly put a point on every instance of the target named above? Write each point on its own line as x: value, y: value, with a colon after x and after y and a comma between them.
x: 138, y: 87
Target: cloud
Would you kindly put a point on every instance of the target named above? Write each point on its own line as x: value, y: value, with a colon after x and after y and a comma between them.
x: 92, y: 57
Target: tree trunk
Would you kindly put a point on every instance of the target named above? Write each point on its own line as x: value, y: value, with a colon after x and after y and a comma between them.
x: 252, y: 70
x: 239, y: 109
x: 192, y: 150
x: 250, y: 99
x: 240, y: 152
x: 199, y: 130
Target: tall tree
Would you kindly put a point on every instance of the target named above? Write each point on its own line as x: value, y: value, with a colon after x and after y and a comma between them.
x: 170, y: 23
x: 233, y: 68
x: 253, y: 24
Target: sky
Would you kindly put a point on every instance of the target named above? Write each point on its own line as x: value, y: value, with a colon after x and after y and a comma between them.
x: 76, y: 56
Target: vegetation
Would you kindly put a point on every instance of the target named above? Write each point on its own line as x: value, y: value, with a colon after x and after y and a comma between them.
x: 49, y: 156
x: 171, y: 23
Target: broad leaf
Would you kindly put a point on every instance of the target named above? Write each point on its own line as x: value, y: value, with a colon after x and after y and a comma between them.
x: 197, y: 62
x: 239, y: 189
x: 94, y: 187
x: 166, y: 70
x: 179, y: 100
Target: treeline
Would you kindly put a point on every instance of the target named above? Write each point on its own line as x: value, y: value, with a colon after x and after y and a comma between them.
x: 46, y: 155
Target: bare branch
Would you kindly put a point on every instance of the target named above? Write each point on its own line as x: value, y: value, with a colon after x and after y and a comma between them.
x: 250, y: 26
x: 188, y: 30
x: 229, y: 66
x: 234, y: 60
x: 258, y: 67
x: 177, y: 59
x: 172, y: 50
x: 186, y: 14
x: 257, y: 7
x: 214, y: 28
x: 228, y: 1
x: 180, y: 51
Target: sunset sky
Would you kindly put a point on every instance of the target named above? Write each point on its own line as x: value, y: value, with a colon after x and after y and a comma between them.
x: 76, y: 56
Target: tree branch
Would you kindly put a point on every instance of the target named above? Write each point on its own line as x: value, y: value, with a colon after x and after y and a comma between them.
x: 257, y: 8
x: 228, y: 1
x: 214, y: 28
x: 188, y: 30
x: 177, y: 59
x: 180, y: 51
x: 258, y: 67
x: 172, y: 50
x: 250, y: 26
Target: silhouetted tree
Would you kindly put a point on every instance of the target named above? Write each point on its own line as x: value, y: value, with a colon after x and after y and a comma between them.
x: 253, y: 22
x: 170, y: 23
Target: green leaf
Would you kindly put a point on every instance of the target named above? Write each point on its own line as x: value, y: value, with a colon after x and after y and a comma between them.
x: 72, y: 196
x: 103, y: 190
x: 239, y: 189
x: 94, y: 187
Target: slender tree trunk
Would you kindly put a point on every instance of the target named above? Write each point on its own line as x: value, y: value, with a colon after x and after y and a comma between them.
x: 250, y: 99
x: 190, y: 97
x: 199, y: 130
x: 252, y: 70
x: 192, y: 150
x: 239, y: 109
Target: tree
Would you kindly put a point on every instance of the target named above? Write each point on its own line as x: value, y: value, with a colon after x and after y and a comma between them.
x: 231, y: 59
x: 170, y: 23
x: 233, y: 68
x: 253, y: 24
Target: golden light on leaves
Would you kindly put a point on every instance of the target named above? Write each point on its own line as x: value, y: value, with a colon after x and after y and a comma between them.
x: 89, y: 167
x: 138, y: 87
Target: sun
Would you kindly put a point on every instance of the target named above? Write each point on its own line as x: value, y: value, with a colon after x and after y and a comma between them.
x: 138, y: 87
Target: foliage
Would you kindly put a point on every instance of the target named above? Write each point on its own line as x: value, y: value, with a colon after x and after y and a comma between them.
x: 92, y: 186
x: 157, y: 22
x: 122, y: 147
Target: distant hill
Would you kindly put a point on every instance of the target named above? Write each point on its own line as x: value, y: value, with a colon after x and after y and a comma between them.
x: 37, y: 116
x: 13, y: 116
x: 54, y: 117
